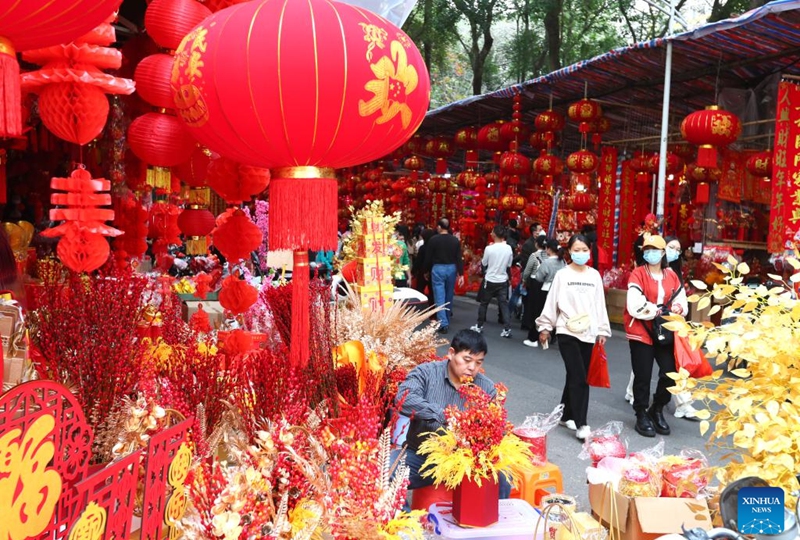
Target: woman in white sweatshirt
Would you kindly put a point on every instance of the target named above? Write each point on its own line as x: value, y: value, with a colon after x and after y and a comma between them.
x: 576, y: 310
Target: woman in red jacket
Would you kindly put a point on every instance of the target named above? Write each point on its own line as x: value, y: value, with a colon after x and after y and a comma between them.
x: 650, y: 287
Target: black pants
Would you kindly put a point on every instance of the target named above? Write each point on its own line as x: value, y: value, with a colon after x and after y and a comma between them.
x: 642, y: 356
x: 488, y: 292
x: 528, y: 312
x: 537, y: 306
x: 576, y: 355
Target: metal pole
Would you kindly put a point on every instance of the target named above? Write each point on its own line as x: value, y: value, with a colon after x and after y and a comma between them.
x: 662, y: 159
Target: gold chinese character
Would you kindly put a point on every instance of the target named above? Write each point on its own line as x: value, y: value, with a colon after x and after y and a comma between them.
x: 783, y: 136
x: 780, y: 158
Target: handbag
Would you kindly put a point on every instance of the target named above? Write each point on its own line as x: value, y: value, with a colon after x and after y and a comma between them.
x: 598, y: 368
x: 579, y: 324
x: 692, y: 360
x: 660, y: 334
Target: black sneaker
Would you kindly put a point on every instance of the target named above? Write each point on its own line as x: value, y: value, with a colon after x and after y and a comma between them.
x: 443, y: 329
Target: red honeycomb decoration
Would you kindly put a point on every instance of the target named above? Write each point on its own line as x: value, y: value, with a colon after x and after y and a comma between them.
x: 82, y: 247
x: 72, y: 89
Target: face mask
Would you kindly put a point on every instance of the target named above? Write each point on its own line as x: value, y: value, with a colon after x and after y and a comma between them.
x: 672, y: 255
x: 542, y: 233
x: 653, y: 256
x: 580, y: 257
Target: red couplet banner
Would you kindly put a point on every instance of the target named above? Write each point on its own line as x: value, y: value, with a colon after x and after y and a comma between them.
x: 785, y: 205
x: 627, y: 225
x: 606, y: 201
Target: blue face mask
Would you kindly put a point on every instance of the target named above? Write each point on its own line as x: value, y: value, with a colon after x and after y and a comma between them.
x: 580, y: 257
x: 672, y: 255
x: 653, y: 256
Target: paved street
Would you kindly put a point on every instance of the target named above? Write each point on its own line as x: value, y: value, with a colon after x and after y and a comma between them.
x: 535, y: 379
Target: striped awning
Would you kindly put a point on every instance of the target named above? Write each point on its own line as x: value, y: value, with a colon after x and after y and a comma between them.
x: 736, y: 53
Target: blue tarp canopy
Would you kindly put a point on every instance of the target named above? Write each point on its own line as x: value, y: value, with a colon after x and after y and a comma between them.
x: 737, y: 53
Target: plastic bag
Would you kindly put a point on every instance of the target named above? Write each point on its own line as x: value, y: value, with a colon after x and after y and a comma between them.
x: 598, y: 368
x: 640, y: 479
x: 603, y: 442
x: 652, y: 454
x: 534, y: 431
x: 692, y: 360
x: 686, y: 475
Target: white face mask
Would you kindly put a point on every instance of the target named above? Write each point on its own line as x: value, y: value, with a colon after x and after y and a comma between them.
x: 542, y: 233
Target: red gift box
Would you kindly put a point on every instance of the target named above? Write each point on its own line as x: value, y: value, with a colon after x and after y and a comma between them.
x: 476, y: 506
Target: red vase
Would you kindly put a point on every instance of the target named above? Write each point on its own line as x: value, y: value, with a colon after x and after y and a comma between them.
x: 476, y: 506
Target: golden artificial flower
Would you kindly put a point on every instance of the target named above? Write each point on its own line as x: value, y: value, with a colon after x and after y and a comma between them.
x: 227, y: 525
x: 755, y: 413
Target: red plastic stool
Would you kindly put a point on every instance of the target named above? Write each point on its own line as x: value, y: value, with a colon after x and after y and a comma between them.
x: 423, y: 498
x: 541, y: 481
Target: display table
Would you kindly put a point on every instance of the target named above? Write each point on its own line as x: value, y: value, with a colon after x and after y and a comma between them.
x: 517, y: 522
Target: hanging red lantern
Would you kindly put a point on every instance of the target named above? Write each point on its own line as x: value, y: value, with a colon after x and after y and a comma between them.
x: 163, y: 227
x: 440, y: 148
x: 168, y: 21
x: 584, y: 112
x: 514, y: 163
x: 162, y: 141
x: 531, y: 210
x: 549, y: 120
x: 698, y: 174
x: 236, y: 295
x: 709, y: 129
x: 583, y: 161
x: 414, y: 163
x: 674, y: 163
x: 72, y: 89
x: 82, y: 250
x: 152, y: 79
x: 194, y: 171
x: 512, y: 201
x: 548, y: 165
x: 196, y: 223
x: 234, y: 182
x: 598, y: 128
x: 32, y: 25
x: 489, y: 137
x: 467, y: 138
x: 237, y: 237
x: 760, y: 164
x: 581, y: 202
x: 640, y: 163
x: 683, y: 151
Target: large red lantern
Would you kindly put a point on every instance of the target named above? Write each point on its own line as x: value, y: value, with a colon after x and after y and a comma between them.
x: 585, y: 112
x: 302, y: 88
x: 168, y: 21
x: 708, y: 129
x: 152, y: 80
x: 548, y: 165
x: 760, y: 164
x: 489, y: 137
x: 467, y: 138
x: 583, y: 162
x: 514, y: 163
x: 33, y: 25
x: 194, y: 171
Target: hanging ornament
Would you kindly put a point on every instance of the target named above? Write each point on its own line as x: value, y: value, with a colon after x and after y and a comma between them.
x: 674, y: 163
x: 440, y: 148
x: 466, y: 138
x: 709, y: 129
x: 584, y: 112
x: 640, y: 163
x: 234, y: 182
x: 583, y: 161
x: 760, y: 164
x: 72, y: 88
x: 236, y: 237
x: 515, y: 130
x: 82, y: 247
x: 598, y: 128
x: 130, y: 216
x: 237, y: 295
x: 489, y: 138
x: 548, y: 167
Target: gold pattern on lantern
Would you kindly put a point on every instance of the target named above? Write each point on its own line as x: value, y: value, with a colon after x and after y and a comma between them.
x: 189, y: 62
x: 29, y: 488
x: 394, y: 81
x: 178, y: 502
x: 721, y: 125
x: 91, y: 525
x: 375, y: 36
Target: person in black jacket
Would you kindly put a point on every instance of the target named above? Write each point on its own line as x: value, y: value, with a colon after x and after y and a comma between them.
x: 444, y: 263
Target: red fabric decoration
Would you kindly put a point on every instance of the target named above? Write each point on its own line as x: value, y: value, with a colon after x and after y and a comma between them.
x: 152, y: 80
x: 708, y: 129
x: 199, y: 321
x: 236, y: 295
x: 168, y: 21
x: 71, y: 87
x: 31, y: 25
x: 237, y: 237
x: 160, y: 140
x: 234, y: 182
x: 238, y: 342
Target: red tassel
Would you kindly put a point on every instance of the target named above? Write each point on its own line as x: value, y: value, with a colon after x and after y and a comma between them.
x: 299, y: 351
x: 441, y: 166
x: 10, y: 95
x: 303, y: 213
x: 707, y: 156
x: 703, y: 194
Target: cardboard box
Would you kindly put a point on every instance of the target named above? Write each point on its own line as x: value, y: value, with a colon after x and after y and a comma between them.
x: 375, y: 298
x: 10, y: 326
x: 15, y: 367
x: 371, y: 245
x: 373, y: 271
x: 647, y: 518
x: 616, y: 302
x: 373, y: 225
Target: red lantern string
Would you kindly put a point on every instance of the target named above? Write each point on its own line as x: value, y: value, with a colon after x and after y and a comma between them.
x: 82, y: 248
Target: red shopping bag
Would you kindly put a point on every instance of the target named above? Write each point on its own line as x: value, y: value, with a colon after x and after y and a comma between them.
x: 693, y: 361
x: 598, y: 368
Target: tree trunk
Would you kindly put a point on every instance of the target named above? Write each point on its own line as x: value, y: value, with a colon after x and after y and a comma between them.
x: 427, y: 46
x: 552, y: 31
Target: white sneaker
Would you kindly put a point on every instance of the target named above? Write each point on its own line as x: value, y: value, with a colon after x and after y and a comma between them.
x: 629, y: 398
x: 529, y: 343
x: 583, y: 432
x: 476, y: 328
x: 686, y: 411
x: 569, y: 424
x: 505, y: 333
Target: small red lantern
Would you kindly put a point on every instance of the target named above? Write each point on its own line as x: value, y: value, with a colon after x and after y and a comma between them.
x: 196, y: 224
x: 489, y: 137
x: 236, y: 295
x: 548, y: 165
x: 234, y: 182
x: 467, y: 138
x: 514, y: 163
x: 162, y: 141
x: 598, y: 128
x: 583, y: 161
x: 582, y: 202
x: 708, y: 129
x: 698, y: 174
x: 514, y: 131
x: 194, y: 171
x: 760, y: 164
x: 237, y: 237
x: 549, y: 120
x: 674, y: 163
x: 512, y: 201
x: 584, y: 112
x: 168, y: 21
x: 152, y: 80
x: 414, y: 163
